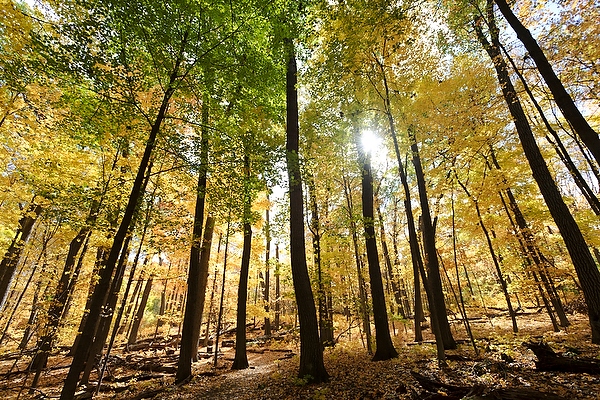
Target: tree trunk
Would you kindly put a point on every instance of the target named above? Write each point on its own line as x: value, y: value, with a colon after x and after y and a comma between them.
x: 189, y: 340
x: 222, y: 299
x: 311, y: 368
x: 65, y: 283
x: 584, y: 264
x: 209, y: 228
x: 140, y: 311
x: 95, y: 350
x: 561, y: 96
x: 362, y: 293
x: 8, y: 265
x: 325, y: 325
x: 267, y: 271
x: 388, y: 263
x: 277, y: 290
x: 103, y: 286
x: 384, y: 347
x: 431, y: 259
x: 240, y: 360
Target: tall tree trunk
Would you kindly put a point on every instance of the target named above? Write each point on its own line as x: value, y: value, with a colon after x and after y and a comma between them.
x: 8, y: 265
x: 95, y: 350
x: 460, y: 291
x: 401, y: 282
x: 587, y: 271
x: 222, y: 299
x: 431, y: 259
x: 362, y: 293
x: 388, y: 263
x: 209, y: 228
x: 384, y: 347
x: 240, y: 360
x: 125, y: 298
x: 561, y: 96
x: 65, y: 283
x: 267, y: 271
x: 277, y: 290
x: 211, y: 315
x: 189, y: 341
x: 325, y: 325
x: 139, y: 315
x: 415, y: 251
x: 103, y: 286
x: 311, y: 353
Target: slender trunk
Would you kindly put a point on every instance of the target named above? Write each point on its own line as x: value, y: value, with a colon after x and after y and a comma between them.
x: 222, y: 299
x: 141, y: 308
x: 415, y: 251
x: 362, y: 294
x: 388, y: 263
x: 462, y: 299
x: 267, y: 272
x: 209, y: 228
x: 63, y: 289
x: 384, y: 347
x: 212, y: 294
x: 559, y: 147
x: 125, y: 298
x: 240, y: 360
x: 587, y: 271
x: 103, y: 286
x: 8, y: 265
x: 277, y: 289
x: 95, y: 351
x: 325, y: 325
x: 311, y: 368
x: 431, y: 259
x: 561, y: 96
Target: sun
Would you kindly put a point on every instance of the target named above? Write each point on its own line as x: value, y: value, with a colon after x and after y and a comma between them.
x: 371, y: 143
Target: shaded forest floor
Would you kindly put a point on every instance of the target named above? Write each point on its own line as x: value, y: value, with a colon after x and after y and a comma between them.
x: 503, y: 363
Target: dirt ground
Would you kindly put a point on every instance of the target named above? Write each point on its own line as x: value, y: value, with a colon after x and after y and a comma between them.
x: 503, y: 363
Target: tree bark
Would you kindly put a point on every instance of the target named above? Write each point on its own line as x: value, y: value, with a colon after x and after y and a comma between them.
x: 362, y: 293
x: 140, y: 311
x: 267, y: 271
x: 384, y: 347
x: 325, y: 325
x: 209, y: 228
x: 311, y: 368
x: 240, y: 360
x: 189, y: 341
x: 431, y: 259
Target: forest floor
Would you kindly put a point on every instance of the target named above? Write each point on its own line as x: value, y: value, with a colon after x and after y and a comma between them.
x: 503, y: 363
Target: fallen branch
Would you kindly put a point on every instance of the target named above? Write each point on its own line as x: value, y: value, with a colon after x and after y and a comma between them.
x: 548, y: 360
x: 435, y: 389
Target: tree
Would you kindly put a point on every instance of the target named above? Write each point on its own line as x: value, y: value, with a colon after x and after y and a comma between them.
x: 385, y: 348
x: 311, y: 353
x: 562, y: 98
x: 241, y: 360
x: 584, y: 264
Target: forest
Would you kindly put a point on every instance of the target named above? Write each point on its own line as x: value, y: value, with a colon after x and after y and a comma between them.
x: 320, y: 199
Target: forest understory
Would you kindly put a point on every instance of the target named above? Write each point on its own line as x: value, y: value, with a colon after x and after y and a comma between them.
x: 504, y: 363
